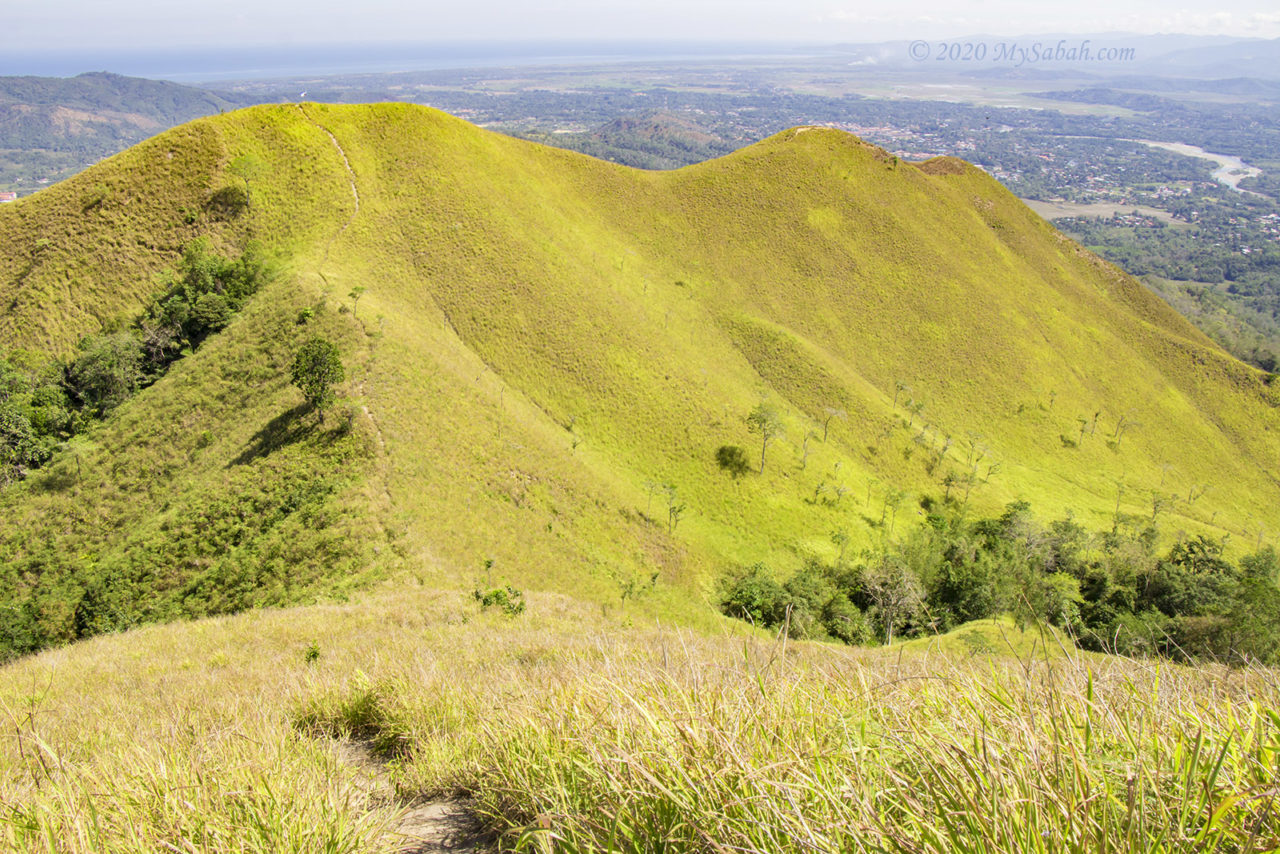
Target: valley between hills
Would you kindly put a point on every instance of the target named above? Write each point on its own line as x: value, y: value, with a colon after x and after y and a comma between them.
x: 803, y: 498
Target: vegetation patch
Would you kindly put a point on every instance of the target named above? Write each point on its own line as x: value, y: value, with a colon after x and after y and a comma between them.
x: 44, y: 402
x: 1109, y: 592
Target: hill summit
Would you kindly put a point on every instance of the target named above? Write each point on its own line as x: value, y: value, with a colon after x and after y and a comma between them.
x: 550, y: 360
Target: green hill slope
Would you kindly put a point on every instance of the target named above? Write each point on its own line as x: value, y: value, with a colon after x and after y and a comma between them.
x: 551, y: 349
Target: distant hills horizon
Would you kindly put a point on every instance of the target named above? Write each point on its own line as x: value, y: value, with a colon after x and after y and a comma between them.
x: 1172, y: 54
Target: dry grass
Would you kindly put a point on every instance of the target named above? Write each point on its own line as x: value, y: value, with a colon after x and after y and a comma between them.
x: 716, y: 754
x: 573, y: 732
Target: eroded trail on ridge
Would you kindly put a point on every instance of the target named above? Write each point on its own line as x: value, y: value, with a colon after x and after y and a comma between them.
x: 351, y: 178
x: 355, y: 195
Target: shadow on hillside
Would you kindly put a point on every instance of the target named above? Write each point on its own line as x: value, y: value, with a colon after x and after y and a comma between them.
x: 285, y: 429
x: 55, y: 479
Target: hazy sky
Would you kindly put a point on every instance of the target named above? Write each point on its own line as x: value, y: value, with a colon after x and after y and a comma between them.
x: 106, y: 24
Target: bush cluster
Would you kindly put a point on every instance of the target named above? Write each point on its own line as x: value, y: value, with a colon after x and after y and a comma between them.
x: 1112, y: 591
x: 506, y: 599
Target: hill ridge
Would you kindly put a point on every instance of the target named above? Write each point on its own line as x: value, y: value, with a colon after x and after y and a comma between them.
x: 548, y: 351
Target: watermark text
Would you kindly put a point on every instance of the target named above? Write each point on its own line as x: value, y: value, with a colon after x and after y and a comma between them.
x: 1017, y: 53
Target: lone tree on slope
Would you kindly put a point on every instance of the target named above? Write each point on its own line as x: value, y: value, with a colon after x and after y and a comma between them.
x: 248, y: 167
x: 317, y: 368
x: 766, y: 421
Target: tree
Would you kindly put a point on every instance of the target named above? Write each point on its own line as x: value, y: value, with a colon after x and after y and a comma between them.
x: 829, y: 413
x: 896, y: 592
x: 107, y: 371
x: 210, y: 313
x: 898, y: 388
x: 766, y: 421
x: 755, y: 596
x: 675, y: 507
x: 247, y: 167
x: 804, y: 449
x: 356, y: 293
x: 317, y: 368
x: 18, y: 447
x: 1254, y: 619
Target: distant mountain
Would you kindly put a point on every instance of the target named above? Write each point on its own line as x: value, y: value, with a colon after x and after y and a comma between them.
x: 1243, y: 58
x: 101, y: 91
x: 656, y: 139
x: 51, y: 127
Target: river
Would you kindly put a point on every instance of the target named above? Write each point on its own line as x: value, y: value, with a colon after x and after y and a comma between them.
x: 1230, y: 172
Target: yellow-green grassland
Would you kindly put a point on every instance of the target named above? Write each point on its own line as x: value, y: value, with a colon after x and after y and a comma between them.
x: 212, y: 593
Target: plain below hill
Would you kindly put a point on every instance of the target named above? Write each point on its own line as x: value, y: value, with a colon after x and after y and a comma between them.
x: 547, y: 356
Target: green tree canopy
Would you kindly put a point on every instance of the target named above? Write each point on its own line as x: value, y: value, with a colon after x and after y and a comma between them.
x: 317, y: 368
x: 107, y: 371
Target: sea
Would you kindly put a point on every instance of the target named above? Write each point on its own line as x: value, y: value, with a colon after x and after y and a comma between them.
x: 209, y: 64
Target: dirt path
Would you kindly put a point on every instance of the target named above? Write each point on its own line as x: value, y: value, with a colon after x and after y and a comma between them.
x: 439, y: 826
x: 384, y: 475
x: 355, y: 195
x: 351, y: 178
x: 434, y: 826
x: 431, y: 827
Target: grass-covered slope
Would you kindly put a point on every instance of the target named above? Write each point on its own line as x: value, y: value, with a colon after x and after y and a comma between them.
x: 565, y: 731
x: 546, y: 341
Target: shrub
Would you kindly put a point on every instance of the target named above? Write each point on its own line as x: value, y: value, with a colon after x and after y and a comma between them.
x: 756, y: 597
x: 19, y: 449
x: 844, y: 621
x: 507, y: 599
x: 210, y: 313
x: 808, y: 592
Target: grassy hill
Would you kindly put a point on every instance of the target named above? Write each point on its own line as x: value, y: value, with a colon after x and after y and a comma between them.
x: 548, y: 353
x: 551, y: 349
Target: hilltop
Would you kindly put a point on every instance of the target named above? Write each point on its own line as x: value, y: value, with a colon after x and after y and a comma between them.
x: 652, y: 139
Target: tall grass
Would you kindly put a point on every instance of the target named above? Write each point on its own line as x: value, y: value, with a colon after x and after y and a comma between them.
x: 569, y: 731
x: 920, y: 756
x: 243, y: 790
x: 675, y: 743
